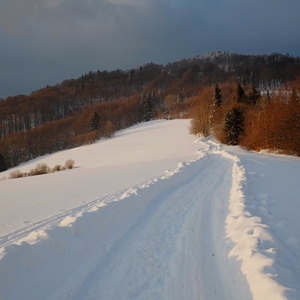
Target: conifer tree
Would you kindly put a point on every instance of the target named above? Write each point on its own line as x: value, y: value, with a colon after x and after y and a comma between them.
x: 95, y: 121
x: 148, y: 108
x: 218, y: 96
x: 241, y: 95
x: 3, y: 163
x: 234, y: 125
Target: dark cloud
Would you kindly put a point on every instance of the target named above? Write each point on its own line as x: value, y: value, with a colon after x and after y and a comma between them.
x: 46, y: 41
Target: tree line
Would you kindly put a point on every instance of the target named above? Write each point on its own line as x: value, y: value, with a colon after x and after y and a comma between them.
x: 242, y: 115
x: 79, y: 111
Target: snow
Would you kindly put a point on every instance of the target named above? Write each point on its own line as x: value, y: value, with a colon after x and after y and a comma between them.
x: 153, y: 213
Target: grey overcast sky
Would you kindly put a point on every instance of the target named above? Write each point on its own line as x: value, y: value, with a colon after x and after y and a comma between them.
x: 46, y: 41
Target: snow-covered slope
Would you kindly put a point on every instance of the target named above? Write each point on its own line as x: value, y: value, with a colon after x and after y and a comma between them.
x: 153, y: 213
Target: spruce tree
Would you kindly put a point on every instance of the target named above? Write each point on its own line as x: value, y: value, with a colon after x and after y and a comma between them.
x: 218, y: 96
x: 3, y: 163
x: 241, y: 95
x: 148, y: 107
x: 95, y: 121
x: 234, y: 125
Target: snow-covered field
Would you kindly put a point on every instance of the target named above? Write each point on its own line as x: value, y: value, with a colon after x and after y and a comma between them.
x: 153, y: 213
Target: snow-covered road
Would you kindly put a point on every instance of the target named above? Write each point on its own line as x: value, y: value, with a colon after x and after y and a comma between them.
x: 175, y: 248
x: 154, y: 234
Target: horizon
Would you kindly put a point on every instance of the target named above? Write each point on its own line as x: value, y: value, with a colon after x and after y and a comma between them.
x: 44, y: 42
x: 57, y: 82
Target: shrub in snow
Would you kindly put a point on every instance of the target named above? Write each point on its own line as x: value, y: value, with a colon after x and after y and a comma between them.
x: 40, y: 169
x: 16, y: 174
x: 58, y: 168
x: 69, y: 164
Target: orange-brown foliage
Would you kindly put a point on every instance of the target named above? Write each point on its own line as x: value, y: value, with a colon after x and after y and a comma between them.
x: 277, y: 126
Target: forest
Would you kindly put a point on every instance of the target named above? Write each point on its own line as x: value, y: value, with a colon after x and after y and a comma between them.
x: 247, y: 100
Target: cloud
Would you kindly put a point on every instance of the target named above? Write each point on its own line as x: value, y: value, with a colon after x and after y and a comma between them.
x: 57, y: 39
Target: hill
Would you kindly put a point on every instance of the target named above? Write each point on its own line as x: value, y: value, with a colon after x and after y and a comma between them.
x: 153, y: 213
x: 61, y: 116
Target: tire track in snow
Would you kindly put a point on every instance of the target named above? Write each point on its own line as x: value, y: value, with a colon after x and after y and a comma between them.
x: 176, y: 249
x: 163, y: 239
x: 50, y: 222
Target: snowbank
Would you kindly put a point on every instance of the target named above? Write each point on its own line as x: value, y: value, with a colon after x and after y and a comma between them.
x: 257, y: 245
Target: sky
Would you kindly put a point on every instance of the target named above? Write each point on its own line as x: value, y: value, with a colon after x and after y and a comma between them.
x: 43, y: 42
